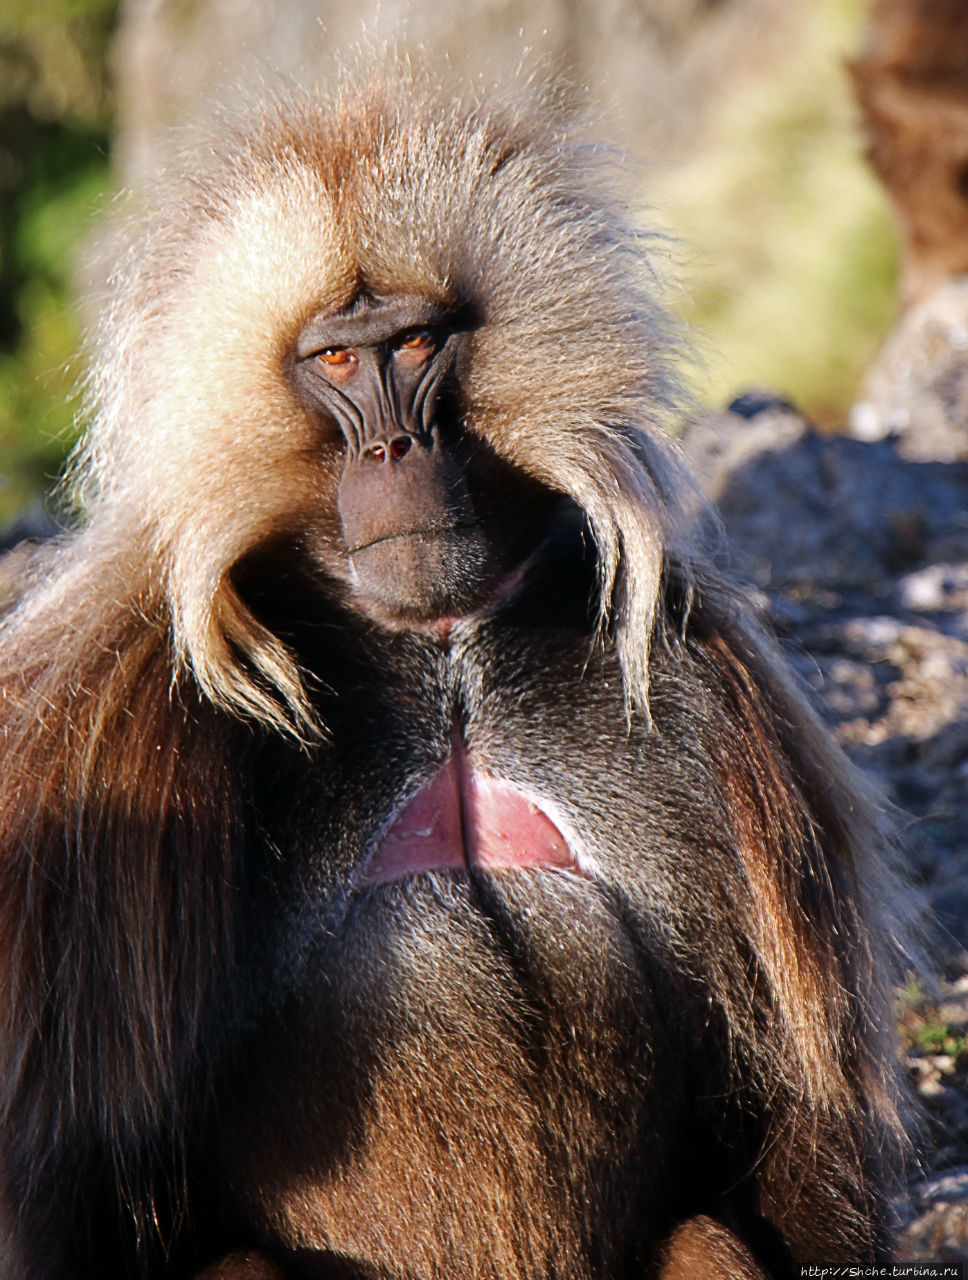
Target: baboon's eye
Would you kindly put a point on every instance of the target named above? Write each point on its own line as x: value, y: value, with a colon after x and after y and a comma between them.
x: 337, y: 364
x: 418, y: 343
x: 335, y: 356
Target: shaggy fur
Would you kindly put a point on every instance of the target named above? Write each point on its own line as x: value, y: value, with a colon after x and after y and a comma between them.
x: 680, y: 1065
x: 308, y: 205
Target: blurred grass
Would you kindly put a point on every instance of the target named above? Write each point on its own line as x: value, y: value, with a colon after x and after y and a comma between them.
x: 55, y: 121
x: 791, y: 271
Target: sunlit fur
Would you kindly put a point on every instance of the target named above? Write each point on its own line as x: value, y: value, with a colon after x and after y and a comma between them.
x: 118, y: 813
x: 405, y: 189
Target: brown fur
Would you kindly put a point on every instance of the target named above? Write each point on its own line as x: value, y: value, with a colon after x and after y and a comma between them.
x: 146, y: 698
x: 702, y: 1250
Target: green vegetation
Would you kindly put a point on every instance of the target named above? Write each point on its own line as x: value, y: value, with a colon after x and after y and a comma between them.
x: 792, y: 278
x: 54, y: 172
x: 941, y: 1037
x: 923, y: 1029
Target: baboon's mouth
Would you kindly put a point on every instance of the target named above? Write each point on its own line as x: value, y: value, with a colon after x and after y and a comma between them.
x: 428, y: 533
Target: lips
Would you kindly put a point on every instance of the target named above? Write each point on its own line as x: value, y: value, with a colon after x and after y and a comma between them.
x: 465, y: 819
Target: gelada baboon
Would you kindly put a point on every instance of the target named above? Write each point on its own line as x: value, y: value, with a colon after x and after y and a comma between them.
x: 416, y: 865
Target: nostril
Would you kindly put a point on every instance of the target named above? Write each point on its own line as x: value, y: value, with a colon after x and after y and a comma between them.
x: 400, y: 447
x: 375, y: 453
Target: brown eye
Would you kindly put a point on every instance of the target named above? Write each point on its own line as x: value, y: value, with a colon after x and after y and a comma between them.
x: 337, y: 364
x: 417, y: 342
x: 335, y: 356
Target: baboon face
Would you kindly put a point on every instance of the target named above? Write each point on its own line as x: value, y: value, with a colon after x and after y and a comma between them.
x: 433, y: 526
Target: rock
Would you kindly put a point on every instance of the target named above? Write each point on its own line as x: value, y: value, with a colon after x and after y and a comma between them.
x: 939, y: 1228
x: 860, y: 550
x: 917, y: 388
x: 826, y: 512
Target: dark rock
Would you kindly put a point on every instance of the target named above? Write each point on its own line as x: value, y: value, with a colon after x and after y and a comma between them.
x: 802, y: 509
x: 861, y: 552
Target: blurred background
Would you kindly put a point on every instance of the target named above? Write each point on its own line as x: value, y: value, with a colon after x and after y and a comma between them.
x: 738, y: 117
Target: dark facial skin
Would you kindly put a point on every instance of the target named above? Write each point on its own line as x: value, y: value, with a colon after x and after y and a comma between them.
x: 416, y: 546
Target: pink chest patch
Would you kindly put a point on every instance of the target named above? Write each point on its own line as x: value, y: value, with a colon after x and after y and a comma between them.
x: 462, y: 818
